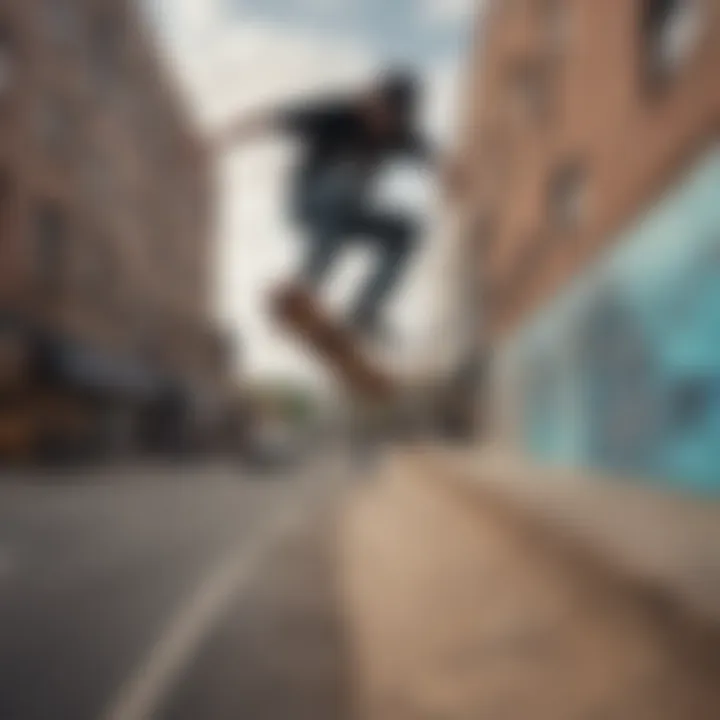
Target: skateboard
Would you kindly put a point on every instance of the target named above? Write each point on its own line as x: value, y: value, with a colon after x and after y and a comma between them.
x: 300, y: 313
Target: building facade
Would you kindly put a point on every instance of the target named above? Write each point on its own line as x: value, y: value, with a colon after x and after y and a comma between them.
x: 105, y: 213
x: 593, y: 133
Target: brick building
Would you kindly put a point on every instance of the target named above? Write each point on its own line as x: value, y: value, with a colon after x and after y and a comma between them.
x: 105, y: 212
x: 593, y: 136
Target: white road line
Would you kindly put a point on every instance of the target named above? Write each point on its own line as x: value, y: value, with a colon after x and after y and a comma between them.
x: 140, y: 697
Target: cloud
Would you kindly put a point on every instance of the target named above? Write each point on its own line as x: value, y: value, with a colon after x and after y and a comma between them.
x: 332, y: 7
x: 230, y: 64
x: 450, y: 12
x: 229, y: 68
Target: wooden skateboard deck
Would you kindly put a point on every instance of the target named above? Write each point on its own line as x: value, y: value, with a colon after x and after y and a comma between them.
x: 299, y: 312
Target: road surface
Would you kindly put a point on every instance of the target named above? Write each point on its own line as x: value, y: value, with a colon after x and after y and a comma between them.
x: 201, y: 594
x: 174, y: 594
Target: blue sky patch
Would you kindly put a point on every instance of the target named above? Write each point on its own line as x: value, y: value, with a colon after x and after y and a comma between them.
x: 398, y: 31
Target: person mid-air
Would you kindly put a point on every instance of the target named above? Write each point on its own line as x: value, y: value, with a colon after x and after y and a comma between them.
x: 346, y: 140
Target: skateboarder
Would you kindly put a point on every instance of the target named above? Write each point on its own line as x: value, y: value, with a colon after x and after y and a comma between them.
x: 346, y: 140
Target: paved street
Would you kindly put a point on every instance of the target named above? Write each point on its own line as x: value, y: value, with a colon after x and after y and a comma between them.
x: 207, y: 593
x: 169, y: 594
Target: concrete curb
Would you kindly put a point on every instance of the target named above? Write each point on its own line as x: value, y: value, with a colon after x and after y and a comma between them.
x: 668, y: 543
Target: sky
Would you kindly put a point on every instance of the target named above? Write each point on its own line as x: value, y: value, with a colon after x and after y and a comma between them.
x: 236, y: 56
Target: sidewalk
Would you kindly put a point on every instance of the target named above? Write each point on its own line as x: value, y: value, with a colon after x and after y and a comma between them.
x: 459, y: 608
x: 669, y: 541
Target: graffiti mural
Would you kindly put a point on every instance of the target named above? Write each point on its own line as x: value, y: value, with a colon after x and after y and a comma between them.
x: 622, y: 372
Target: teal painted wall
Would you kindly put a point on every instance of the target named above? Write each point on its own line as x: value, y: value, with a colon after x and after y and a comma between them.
x: 622, y: 371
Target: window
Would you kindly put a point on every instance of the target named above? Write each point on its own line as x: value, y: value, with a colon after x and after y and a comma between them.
x: 61, y: 20
x: 106, y: 47
x: 568, y: 197
x: 530, y: 91
x: 101, y: 182
x: 96, y: 271
x: 5, y: 199
x: 7, y: 63
x: 671, y: 32
x: 496, y: 162
x: 51, y: 238
x: 527, y: 263
x: 555, y: 19
x: 55, y: 125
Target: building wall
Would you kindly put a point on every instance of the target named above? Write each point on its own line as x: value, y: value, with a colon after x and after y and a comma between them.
x: 560, y: 85
x: 566, y: 97
x: 105, y: 189
x: 622, y: 371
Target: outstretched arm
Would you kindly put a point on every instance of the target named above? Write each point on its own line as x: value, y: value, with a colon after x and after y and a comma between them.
x: 246, y: 129
x: 301, y: 120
